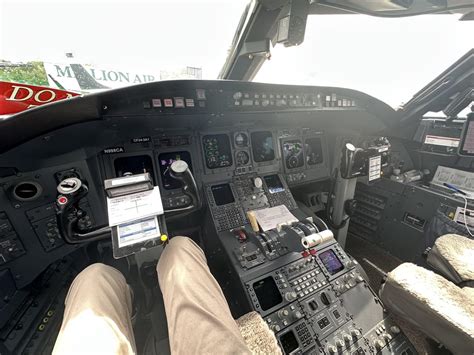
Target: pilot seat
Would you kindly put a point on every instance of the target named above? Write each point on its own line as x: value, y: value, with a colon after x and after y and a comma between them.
x: 442, y: 307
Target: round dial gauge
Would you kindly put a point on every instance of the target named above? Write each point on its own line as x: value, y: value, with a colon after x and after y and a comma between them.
x: 241, y: 139
x: 242, y: 158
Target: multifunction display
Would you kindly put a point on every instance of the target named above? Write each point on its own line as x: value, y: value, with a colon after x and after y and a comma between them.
x: 217, y: 152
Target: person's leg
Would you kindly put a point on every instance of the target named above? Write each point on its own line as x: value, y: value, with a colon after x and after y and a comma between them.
x: 97, y: 317
x: 199, y: 318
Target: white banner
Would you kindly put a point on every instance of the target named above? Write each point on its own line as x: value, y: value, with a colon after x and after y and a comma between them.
x: 87, y: 78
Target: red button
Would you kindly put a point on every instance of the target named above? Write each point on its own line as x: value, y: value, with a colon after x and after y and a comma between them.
x: 62, y: 200
x: 305, y: 254
x: 312, y: 251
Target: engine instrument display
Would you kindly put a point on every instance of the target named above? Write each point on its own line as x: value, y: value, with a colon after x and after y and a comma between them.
x: 274, y: 183
x: 314, y: 151
x: 165, y: 160
x: 262, y: 146
x: 222, y: 194
x: 293, y: 154
x: 217, y: 152
x: 331, y: 262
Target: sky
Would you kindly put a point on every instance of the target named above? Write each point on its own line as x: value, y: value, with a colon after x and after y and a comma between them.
x: 390, y: 59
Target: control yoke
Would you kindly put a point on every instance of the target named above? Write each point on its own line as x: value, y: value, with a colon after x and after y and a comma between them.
x: 70, y: 216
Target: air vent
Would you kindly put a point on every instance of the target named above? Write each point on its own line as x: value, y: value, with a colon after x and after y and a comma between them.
x: 27, y: 191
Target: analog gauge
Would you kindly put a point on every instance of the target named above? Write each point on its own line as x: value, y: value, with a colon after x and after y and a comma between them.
x: 241, y: 139
x: 242, y: 158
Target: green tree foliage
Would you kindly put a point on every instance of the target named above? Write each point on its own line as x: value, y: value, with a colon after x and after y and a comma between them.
x: 30, y: 73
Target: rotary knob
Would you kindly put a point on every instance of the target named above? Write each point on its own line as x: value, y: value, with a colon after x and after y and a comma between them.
x: 379, y: 344
x: 332, y: 349
x: 355, y: 333
x: 339, y: 343
x: 257, y: 182
x: 394, y: 329
x: 347, y: 338
x: 290, y: 296
x: 298, y: 314
x: 282, y: 313
x: 275, y: 328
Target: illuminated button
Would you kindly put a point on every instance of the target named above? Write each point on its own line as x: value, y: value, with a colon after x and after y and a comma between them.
x: 201, y: 94
x: 179, y: 102
x: 156, y: 102
x: 189, y: 102
x: 168, y: 102
x: 62, y: 200
x: 163, y: 238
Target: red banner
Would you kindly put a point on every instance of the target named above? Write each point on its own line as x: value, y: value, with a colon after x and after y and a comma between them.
x: 16, y: 97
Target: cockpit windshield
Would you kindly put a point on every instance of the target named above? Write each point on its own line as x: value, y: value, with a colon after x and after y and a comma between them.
x: 390, y: 59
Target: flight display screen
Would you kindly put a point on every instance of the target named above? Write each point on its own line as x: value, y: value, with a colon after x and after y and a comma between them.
x: 331, y: 262
x: 165, y: 160
x: 267, y: 293
x: 262, y: 146
x: 222, y: 194
x: 467, y: 139
x: 217, y: 151
x: 289, y: 342
x: 314, y: 151
x: 274, y: 183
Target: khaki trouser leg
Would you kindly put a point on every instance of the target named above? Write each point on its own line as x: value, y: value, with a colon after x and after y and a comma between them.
x: 97, y: 318
x: 199, y: 318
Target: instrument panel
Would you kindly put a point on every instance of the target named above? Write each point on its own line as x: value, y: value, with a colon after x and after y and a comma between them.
x: 118, y: 133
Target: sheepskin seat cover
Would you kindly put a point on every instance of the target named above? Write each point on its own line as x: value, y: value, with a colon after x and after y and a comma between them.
x: 257, y: 335
x: 442, y: 310
x: 453, y: 255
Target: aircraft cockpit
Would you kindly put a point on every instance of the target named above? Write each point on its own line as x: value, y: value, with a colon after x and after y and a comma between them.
x: 241, y: 216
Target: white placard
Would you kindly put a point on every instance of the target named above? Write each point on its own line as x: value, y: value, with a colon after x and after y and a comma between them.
x: 461, y: 179
x: 138, y: 232
x: 270, y: 218
x: 375, y: 164
x: 134, y: 207
x: 443, y: 141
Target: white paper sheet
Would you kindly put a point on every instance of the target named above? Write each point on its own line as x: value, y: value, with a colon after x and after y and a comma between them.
x: 270, y: 218
x: 133, y: 207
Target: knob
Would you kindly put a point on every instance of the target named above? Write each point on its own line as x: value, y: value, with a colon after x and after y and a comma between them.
x: 257, y: 182
x: 298, y: 314
x: 282, y: 313
x: 379, y: 344
x: 394, y: 329
x: 339, y: 343
x: 290, y: 296
x: 347, y: 338
x: 179, y: 166
x: 355, y: 333
x: 275, y: 328
x: 332, y: 349
x: 387, y: 337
